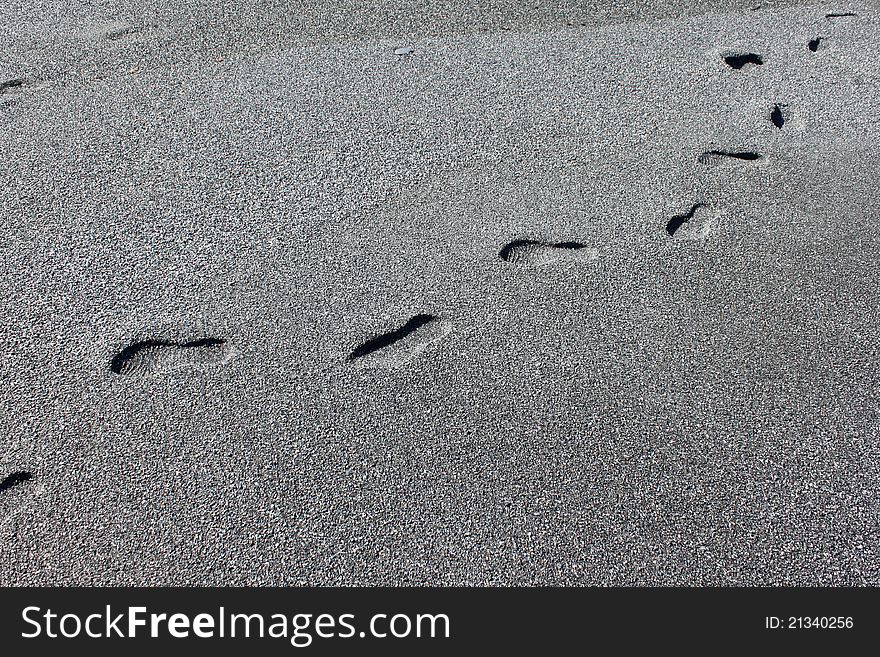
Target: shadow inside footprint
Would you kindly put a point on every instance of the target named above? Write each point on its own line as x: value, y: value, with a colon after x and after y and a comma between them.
x: 814, y: 44
x: 533, y: 252
x: 711, y: 157
x: 740, y: 60
x: 11, y: 86
x: 398, y: 347
x: 680, y: 219
x: 695, y: 225
x: 15, y: 479
x: 151, y: 356
x: 778, y: 115
x: 388, y: 339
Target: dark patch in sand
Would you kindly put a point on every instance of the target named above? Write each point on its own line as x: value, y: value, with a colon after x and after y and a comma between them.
x: 778, y: 115
x: 739, y: 60
x: 15, y: 479
x: 814, y: 44
x: 841, y: 15
x: 711, y: 157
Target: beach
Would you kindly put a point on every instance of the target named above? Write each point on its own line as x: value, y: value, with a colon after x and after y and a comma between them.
x: 440, y: 295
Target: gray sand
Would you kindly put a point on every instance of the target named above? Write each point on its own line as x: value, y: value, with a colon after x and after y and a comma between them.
x: 689, y: 405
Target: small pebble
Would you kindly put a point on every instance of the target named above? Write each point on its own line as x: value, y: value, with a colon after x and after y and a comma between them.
x: 404, y: 51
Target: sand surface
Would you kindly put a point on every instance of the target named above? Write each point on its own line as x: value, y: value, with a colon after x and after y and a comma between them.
x: 569, y: 294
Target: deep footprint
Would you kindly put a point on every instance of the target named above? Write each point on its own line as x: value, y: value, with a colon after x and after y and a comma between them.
x: 695, y: 224
x: 532, y: 252
x: 739, y: 60
x: 779, y: 115
x: 396, y: 347
x: 15, y: 479
x: 154, y: 356
x: 713, y: 157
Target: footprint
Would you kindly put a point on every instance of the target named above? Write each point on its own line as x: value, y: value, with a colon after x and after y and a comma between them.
x: 714, y: 157
x: 12, y: 86
x: 15, y: 88
x: 17, y: 492
x: 693, y: 225
x: 115, y: 35
x: 779, y: 115
x: 531, y: 252
x: 154, y: 356
x: 740, y: 60
x: 13, y: 480
x: 401, y: 345
x: 815, y: 44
